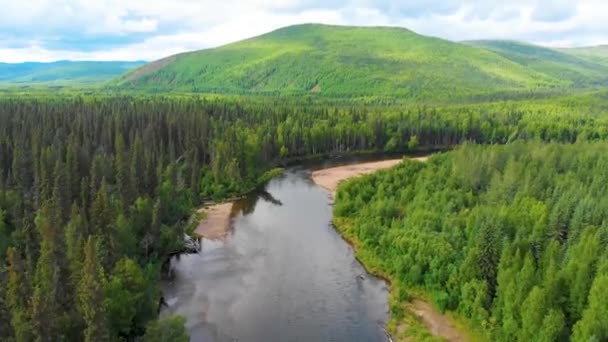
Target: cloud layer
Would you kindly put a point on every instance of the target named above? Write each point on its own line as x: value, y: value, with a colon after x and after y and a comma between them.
x: 47, y: 30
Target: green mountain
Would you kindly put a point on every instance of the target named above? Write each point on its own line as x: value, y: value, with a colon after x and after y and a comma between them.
x: 344, y: 61
x: 63, y: 72
x: 597, y: 54
x: 578, y: 68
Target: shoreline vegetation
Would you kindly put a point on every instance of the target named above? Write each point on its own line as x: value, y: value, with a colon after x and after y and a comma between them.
x: 420, y: 320
x: 420, y: 309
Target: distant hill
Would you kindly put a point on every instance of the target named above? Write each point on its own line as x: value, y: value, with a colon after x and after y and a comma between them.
x: 344, y: 61
x: 63, y: 72
x: 598, y: 54
x: 577, y: 67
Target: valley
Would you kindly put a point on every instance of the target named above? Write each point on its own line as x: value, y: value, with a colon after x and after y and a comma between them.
x: 283, y: 154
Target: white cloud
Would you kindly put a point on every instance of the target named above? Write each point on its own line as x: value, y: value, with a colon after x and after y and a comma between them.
x: 153, y: 29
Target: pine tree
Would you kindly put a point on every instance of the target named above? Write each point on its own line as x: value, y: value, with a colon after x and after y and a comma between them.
x: 489, y: 255
x: 126, y: 303
x: 17, y: 296
x: 122, y: 171
x: 594, y: 324
x: 74, y: 240
x: 45, y: 178
x: 101, y: 211
x: 91, y: 296
x: 21, y: 170
x: 553, y: 326
x: 532, y: 314
x: 102, y: 218
x: 137, y: 171
x: 61, y: 195
x: 73, y: 171
x: 47, y: 312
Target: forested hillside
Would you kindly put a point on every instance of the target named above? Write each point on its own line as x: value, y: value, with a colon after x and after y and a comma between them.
x: 598, y: 54
x: 357, y: 61
x: 63, y: 72
x: 514, y: 238
x: 579, y: 69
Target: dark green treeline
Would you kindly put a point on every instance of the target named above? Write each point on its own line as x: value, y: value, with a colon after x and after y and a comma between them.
x: 95, y: 191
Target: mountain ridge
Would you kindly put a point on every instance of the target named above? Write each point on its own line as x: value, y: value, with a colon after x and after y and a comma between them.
x: 359, y: 61
x: 64, y: 71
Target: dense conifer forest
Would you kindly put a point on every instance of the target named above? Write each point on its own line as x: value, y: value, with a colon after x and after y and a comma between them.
x: 95, y: 193
x: 513, y: 238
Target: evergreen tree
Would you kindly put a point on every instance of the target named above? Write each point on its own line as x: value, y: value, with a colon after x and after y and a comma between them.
x: 138, y: 175
x: 127, y: 305
x: 17, y: 296
x: 122, y: 170
x: 61, y: 195
x: 594, y: 324
x: 73, y: 171
x: 48, y: 291
x: 91, y: 296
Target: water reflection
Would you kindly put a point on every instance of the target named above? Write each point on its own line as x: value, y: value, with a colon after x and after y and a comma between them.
x: 283, y: 274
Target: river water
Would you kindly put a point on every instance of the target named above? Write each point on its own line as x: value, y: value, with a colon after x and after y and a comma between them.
x: 282, y: 274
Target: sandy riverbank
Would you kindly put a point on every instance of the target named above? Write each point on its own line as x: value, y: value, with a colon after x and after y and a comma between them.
x: 330, y: 178
x: 437, y: 323
x: 216, y: 223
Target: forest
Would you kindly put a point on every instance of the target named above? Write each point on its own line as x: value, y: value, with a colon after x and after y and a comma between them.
x: 513, y: 238
x: 95, y: 193
x: 352, y: 62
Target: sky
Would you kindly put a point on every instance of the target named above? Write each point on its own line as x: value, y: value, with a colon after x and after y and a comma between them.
x: 49, y: 30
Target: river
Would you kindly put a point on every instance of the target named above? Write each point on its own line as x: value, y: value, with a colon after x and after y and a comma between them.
x: 282, y: 274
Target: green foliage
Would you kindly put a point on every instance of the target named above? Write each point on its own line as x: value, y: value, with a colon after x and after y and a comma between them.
x: 342, y: 61
x: 169, y: 329
x: 511, y: 237
x: 597, y: 54
x: 49, y: 280
x: 17, y: 296
x: 577, y: 69
x: 91, y: 296
x: 268, y: 175
x: 127, y: 305
x: 594, y: 324
x: 96, y: 192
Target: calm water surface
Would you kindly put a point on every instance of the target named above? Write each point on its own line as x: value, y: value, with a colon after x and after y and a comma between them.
x: 283, y: 274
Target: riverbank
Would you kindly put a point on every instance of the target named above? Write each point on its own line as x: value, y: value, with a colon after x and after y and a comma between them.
x: 330, y: 178
x: 420, y: 319
x: 214, y: 221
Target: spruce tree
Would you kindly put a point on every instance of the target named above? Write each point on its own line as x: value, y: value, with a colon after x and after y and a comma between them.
x: 17, y: 296
x: 91, y: 297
